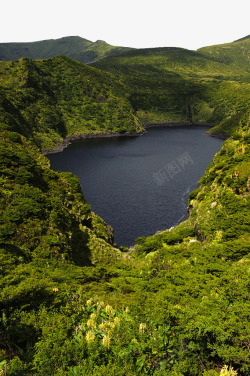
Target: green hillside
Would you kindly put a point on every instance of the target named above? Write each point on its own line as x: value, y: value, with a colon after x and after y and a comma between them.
x: 174, y: 84
x: 71, y: 303
x: 77, y: 48
x: 173, y: 59
x: 235, y: 54
x: 54, y: 98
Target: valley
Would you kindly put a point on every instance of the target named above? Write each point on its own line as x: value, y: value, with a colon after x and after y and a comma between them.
x: 71, y: 301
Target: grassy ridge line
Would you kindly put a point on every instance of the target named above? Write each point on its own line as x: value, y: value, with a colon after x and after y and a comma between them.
x: 236, y: 53
x: 75, y: 47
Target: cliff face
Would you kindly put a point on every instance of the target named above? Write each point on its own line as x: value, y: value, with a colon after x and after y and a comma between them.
x: 44, y: 213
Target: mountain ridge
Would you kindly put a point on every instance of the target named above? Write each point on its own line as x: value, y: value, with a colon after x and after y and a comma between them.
x: 244, y: 38
x: 235, y: 53
x: 75, y: 47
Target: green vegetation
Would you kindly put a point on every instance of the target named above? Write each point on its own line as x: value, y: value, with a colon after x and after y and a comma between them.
x: 177, y: 303
x: 50, y: 99
x: 236, y: 53
x: 174, y: 84
x: 76, y: 48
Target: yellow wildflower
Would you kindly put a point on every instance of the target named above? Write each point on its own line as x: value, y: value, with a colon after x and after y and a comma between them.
x: 142, y: 328
x: 93, y: 316
x: 106, y: 341
x: 89, y: 302
x: 102, y: 326
x: 177, y: 306
x: 90, y: 337
x: 108, y: 309
x: 117, y: 320
x: 134, y: 340
x: 228, y: 372
x: 100, y: 305
x: 90, y: 323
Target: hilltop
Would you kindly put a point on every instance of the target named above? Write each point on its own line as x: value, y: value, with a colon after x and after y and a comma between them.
x: 236, y: 53
x: 86, y: 51
x: 75, y: 47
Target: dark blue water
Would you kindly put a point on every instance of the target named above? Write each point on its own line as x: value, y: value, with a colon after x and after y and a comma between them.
x: 140, y: 185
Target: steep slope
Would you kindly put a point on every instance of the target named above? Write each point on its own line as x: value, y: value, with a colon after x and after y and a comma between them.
x: 172, y: 59
x: 235, y: 54
x: 43, y: 211
x: 75, y: 47
x: 59, y: 97
x: 174, y: 84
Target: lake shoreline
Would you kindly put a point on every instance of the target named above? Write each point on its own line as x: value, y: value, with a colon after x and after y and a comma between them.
x: 68, y: 140
x: 140, y: 185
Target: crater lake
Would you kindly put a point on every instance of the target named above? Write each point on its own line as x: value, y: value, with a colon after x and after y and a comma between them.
x: 140, y: 185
